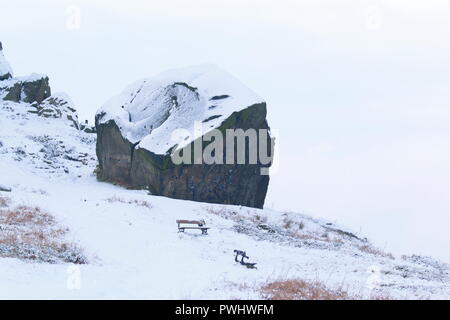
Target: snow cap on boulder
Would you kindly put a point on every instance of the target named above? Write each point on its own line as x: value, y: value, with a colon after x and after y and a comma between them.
x: 5, y: 69
x: 149, y: 110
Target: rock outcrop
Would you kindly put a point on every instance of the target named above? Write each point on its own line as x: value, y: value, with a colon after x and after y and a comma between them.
x: 34, y: 88
x: 35, y: 91
x: 58, y: 105
x: 135, y: 138
x: 88, y: 128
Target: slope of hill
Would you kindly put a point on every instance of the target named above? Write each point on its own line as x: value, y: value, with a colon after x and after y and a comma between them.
x: 128, y: 245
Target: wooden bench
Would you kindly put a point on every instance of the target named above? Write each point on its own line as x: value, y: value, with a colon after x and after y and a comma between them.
x: 244, y: 256
x: 200, y: 225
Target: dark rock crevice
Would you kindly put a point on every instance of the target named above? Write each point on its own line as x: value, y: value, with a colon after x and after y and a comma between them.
x: 223, y: 96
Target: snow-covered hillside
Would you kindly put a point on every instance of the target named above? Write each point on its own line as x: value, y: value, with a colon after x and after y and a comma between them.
x: 134, y: 250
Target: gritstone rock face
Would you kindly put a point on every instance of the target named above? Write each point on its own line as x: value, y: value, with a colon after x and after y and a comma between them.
x: 135, y: 136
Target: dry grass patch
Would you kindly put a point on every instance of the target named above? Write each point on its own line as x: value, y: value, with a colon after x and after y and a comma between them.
x: 296, y: 289
x: 139, y: 203
x: 258, y: 219
x: 29, y: 233
x: 238, y: 215
x: 367, y: 248
x: 25, y: 215
x: 226, y: 213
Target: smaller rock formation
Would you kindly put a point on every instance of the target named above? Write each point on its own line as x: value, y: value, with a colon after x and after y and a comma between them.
x: 88, y: 128
x: 35, y: 91
x: 58, y: 105
x: 29, y: 89
x: 34, y: 88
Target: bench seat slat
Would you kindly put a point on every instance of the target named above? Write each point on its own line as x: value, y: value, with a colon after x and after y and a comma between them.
x: 190, y: 222
x: 199, y: 228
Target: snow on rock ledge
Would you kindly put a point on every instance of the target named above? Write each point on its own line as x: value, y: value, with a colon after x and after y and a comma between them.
x: 29, y: 89
x: 134, y: 136
x: 58, y: 105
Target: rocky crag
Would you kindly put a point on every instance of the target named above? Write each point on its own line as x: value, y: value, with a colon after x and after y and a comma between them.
x: 135, y: 137
x: 35, y: 91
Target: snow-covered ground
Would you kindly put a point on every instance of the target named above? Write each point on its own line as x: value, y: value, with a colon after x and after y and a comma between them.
x: 134, y: 249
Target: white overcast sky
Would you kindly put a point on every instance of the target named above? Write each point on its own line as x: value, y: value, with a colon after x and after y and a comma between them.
x: 359, y: 91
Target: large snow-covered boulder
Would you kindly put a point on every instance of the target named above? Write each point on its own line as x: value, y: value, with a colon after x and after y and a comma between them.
x: 5, y: 69
x: 135, y: 136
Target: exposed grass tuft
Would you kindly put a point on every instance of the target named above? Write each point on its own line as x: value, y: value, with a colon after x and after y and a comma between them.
x: 139, y: 203
x: 297, y: 289
x: 367, y: 248
x: 29, y: 233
